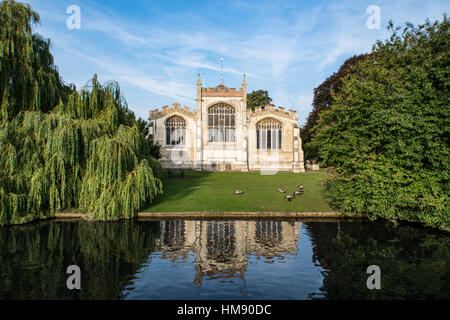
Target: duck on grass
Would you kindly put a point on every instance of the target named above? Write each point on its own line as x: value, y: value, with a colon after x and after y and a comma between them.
x: 241, y: 191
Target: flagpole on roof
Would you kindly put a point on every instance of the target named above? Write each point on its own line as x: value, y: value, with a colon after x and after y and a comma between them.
x: 221, y: 73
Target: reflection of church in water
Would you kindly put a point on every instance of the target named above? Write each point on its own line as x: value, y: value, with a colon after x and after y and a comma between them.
x: 223, y: 247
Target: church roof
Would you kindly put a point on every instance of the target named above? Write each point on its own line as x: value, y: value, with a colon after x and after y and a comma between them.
x: 222, y: 86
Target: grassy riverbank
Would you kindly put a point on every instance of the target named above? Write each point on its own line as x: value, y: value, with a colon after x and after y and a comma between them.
x: 213, y: 191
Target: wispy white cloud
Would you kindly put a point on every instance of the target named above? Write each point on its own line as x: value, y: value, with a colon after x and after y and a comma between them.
x: 173, y: 89
x: 285, y: 47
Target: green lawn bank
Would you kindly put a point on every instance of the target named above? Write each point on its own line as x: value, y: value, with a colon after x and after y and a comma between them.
x: 214, y: 191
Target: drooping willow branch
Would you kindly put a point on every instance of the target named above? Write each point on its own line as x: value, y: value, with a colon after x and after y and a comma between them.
x: 60, y: 148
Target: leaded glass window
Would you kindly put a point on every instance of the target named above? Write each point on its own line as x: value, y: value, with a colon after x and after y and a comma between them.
x: 221, y: 123
x: 268, y: 134
x: 175, y: 131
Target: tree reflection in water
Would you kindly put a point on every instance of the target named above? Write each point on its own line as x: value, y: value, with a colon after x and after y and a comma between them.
x: 34, y: 258
x: 414, y: 262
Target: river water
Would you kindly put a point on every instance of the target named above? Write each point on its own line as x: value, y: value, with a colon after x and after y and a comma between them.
x: 223, y: 259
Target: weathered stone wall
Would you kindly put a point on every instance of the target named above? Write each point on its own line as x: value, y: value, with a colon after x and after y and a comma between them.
x: 240, y: 155
x: 288, y: 157
x: 177, y: 156
x: 231, y: 155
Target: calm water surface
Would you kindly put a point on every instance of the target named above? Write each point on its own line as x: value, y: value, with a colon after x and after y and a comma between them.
x: 223, y: 259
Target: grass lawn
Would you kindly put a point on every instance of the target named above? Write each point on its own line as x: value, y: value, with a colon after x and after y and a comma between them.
x: 213, y: 191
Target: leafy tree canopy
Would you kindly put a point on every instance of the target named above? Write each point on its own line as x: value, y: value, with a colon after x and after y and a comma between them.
x: 258, y: 98
x: 323, y: 100
x: 387, y: 132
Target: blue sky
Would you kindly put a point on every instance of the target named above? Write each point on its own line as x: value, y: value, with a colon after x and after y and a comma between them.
x: 155, y: 49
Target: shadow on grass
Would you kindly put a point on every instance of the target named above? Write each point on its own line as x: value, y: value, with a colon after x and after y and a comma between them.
x: 177, y: 187
x: 214, y: 191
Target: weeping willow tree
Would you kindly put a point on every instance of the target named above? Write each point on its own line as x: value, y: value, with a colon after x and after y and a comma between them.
x: 61, y: 148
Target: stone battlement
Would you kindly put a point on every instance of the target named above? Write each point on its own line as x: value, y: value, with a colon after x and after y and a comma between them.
x: 221, y: 91
x: 176, y: 108
x: 270, y: 109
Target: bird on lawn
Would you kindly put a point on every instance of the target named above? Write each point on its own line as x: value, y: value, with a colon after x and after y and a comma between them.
x: 298, y: 192
x: 238, y: 192
x: 290, y: 197
x: 281, y: 190
x: 300, y: 186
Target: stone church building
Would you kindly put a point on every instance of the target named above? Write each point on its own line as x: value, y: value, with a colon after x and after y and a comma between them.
x: 223, y: 135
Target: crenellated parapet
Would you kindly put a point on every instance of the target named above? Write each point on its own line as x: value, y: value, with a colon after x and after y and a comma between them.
x: 176, y: 108
x: 221, y: 91
x: 196, y: 139
x: 270, y: 110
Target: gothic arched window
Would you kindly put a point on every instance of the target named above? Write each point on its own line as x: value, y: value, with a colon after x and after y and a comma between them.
x: 221, y: 123
x: 175, y: 131
x: 268, y: 134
